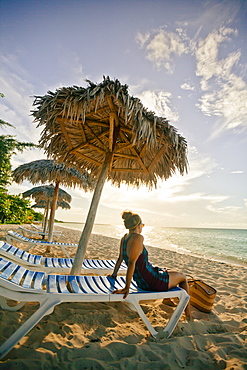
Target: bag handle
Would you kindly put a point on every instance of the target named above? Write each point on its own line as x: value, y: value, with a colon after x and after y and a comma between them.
x: 191, y: 278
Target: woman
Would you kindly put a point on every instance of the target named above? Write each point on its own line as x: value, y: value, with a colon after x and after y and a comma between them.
x: 135, y: 255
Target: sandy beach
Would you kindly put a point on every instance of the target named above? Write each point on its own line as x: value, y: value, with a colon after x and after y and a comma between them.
x: 111, y: 336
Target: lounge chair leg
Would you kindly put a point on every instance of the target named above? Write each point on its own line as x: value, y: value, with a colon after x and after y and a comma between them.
x: 30, y: 246
x: 8, y: 239
x: 183, y: 301
x: 5, y: 306
x: 65, y: 252
x: 45, y: 308
x: 134, y: 303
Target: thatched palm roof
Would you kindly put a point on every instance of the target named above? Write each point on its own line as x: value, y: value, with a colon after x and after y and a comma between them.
x: 46, y: 170
x: 43, y: 204
x: 81, y: 124
x: 46, y: 193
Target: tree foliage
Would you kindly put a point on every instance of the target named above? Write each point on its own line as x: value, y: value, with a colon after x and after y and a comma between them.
x: 8, y: 146
x: 13, y: 209
x: 16, y: 210
x: 4, y: 123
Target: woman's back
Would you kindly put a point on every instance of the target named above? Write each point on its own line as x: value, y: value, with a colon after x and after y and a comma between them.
x: 145, y: 274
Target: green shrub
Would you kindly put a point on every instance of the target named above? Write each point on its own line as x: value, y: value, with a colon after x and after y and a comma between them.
x: 16, y: 210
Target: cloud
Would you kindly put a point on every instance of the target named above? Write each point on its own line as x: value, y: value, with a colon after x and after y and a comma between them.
x: 227, y: 93
x: 213, y: 14
x: 224, y: 93
x: 195, y: 197
x: 163, y: 47
x: 160, y: 103
x: 19, y: 188
x: 228, y: 103
x: 27, y: 156
x: 187, y: 86
x: 220, y: 210
x: 142, y: 38
x: 16, y: 105
x: 207, y: 52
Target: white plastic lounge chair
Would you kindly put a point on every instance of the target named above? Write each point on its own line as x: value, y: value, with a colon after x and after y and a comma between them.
x: 40, y: 229
x: 22, y: 285
x: 56, y: 265
x: 36, y: 232
x: 12, y: 235
x: 37, y: 227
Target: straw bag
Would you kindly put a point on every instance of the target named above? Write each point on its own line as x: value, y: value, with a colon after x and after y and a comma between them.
x: 202, y: 295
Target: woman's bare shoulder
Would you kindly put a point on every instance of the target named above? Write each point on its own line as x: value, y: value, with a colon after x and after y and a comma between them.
x: 137, y: 237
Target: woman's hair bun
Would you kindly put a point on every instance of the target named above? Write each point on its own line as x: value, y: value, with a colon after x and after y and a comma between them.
x: 131, y: 220
x: 126, y: 214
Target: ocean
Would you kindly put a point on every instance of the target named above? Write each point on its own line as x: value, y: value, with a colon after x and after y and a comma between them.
x: 223, y: 245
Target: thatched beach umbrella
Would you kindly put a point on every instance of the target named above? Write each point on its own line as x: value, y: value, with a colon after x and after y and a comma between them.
x: 45, y: 194
x: 47, y: 205
x: 104, y: 130
x: 42, y: 204
x: 46, y: 170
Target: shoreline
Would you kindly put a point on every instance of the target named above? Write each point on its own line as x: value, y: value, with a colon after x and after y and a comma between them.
x: 227, y: 262
x: 111, y: 336
x: 170, y: 227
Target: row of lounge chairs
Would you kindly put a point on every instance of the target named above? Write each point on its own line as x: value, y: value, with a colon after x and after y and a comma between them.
x: 56, y: 265
x: 14, y: 236
x: 38, y: 232
x: 25, y: 277
x: 40, y: 229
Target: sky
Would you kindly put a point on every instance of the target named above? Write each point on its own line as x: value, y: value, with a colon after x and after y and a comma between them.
x: 185, y: 59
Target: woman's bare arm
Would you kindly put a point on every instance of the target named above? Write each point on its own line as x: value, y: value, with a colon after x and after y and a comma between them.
x: 119, y: 260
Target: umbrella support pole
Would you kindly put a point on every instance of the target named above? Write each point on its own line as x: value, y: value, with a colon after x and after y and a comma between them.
x: 46, y: 214
x: 81, y: 250
x: 52, y: 214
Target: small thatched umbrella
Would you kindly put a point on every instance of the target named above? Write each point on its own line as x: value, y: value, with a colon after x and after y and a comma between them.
x: 104, y: 130
x: 47, y: 205
x: 46, y: 170
x: 45, y: 194
x: 42, y: 204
